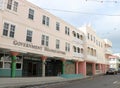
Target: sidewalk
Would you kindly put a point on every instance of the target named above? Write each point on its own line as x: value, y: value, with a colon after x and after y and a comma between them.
x: 18, y: 82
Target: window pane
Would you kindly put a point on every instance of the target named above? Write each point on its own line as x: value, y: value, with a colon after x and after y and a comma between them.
x: 47, y: 21
x: 31, y: 14
x: 9, y: 4
x: 18, y: 65
x: 15, y: 6
x: 7, y: 65
x: 1, y: 64
x: 57, y: 26
x: 5, y: 29
x: 43, y: 20
x: 12, y: 30
x: 47, y: 40
x: 29, y: 36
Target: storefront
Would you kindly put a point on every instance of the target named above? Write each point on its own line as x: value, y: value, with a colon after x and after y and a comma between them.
x: 32, y: 67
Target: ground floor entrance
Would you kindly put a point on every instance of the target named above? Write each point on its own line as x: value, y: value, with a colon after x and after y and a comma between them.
x: 53, y: 67
x: 32, y: 68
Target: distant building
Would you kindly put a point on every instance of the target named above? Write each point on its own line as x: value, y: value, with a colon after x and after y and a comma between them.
x: 33, y: 42
x: 114, y: 61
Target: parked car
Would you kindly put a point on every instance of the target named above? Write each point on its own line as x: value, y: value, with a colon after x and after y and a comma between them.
x: 112, y: 71
x: 118, y: 70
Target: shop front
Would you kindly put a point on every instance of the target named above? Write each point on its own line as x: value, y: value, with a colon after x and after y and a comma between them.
x: 32, y: 67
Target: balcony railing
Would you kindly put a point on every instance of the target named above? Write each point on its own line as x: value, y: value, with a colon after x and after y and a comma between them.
x: 78, y: 41
x: 79, y: 55
x: 108, y: 51
x: 91, y: 58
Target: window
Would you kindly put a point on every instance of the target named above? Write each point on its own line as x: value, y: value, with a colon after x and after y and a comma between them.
x: 15, y: 6
x: 74, y: 48
x: 7, y: 64
x: 12, y: 5
x: 5, y: 29
x: 78, y: 49
x: 74, y: 33
x: 82, y: 50
x: 18, y: 65
x: 57, y: 44
x: 29, y: 36
x: 67, y: 30
x: 78, y: 36
x: 9, y: 29
x: 81, y: 37
x: 57, y: 26
x: 91, y: 38
x: 1, y: 64
x: 45, y: 40
x: 88, y: 36
x: 45, y: 20
x: 12, y: 31
x: 9, y: 4
x: 67, y: 47
x: 31, y: 14
x: 94, y: 39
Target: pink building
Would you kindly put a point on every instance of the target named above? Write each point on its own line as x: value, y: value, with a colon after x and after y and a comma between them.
x: 33, y: 42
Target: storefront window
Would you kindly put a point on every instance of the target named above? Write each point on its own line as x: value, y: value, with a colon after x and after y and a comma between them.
x: 18, y: 65
x: 7, y: 64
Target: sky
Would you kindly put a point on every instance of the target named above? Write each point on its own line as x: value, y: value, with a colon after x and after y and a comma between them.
x: 103, y: 15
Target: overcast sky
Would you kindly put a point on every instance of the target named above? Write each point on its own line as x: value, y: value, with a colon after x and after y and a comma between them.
x: 103, y: 15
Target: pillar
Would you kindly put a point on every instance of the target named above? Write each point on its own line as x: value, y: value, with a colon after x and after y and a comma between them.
x: 100, y: 68
x: 13, y: 65
x: 43, y: 65
x: 63, y: 66
x: 94, y: 68
x: 76, y: 67
x: 84, y: 68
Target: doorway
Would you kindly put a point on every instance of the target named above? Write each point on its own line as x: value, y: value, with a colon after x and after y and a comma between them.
x: 32, y: 68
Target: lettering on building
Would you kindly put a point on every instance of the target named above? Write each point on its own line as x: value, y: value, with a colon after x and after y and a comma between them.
x: 54, y: 51
x: 27, y: 45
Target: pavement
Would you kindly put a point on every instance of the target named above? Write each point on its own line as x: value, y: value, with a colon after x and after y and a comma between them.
x: 27, y: 81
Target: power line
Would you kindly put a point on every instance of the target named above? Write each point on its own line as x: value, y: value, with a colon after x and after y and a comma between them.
x: 68, y: 11
x: 104, y: 1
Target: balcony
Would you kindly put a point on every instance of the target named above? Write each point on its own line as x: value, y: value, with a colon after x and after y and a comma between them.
x: 108, y: 51
x: 108, y: 43
x: 79, y: 55
x: 78, y: 41
x: 91, y: 58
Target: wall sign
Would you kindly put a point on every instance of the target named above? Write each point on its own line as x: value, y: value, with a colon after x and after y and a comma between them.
x: 27, y: 45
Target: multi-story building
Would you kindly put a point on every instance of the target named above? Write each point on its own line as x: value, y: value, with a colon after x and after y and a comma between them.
x: 33, y: 42
x: 114, y: 61
x: 96, y: 62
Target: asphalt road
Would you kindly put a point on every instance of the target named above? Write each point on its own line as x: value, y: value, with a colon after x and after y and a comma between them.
x: 104, y: 81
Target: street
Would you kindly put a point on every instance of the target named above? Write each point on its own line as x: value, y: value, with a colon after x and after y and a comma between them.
x: 104, y: 81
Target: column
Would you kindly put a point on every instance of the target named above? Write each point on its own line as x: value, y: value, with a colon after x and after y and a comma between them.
x: 63, y: 66
x: 100, y: 68
x: 94, y: 68
x: 13, y: 66
x: 84, y: 68
x: 76, y: 67
x: 43, y: 65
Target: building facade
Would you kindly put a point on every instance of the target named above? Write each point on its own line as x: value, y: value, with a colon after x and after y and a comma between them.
x: 114, y: 61
x: 33, y: 42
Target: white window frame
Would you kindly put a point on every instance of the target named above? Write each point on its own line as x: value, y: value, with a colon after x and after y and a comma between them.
x: 45, y: 40
x: 13, y: 5
x: 10, y: 29
x: 29, y: 35
x: 31, y: 14
x: 45, y: 20
x: 57, y: 44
